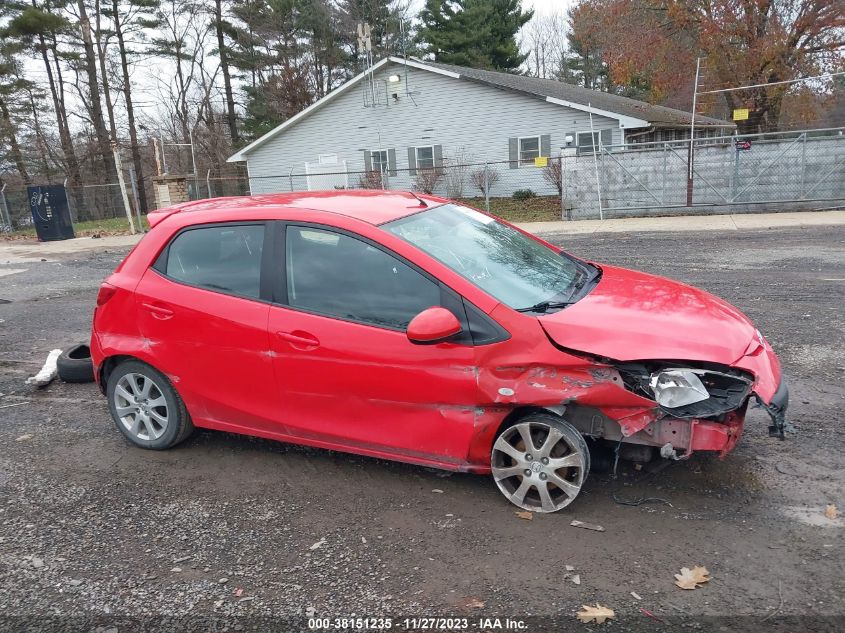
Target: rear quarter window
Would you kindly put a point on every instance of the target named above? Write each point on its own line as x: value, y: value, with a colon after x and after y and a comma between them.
x: 225, y: 258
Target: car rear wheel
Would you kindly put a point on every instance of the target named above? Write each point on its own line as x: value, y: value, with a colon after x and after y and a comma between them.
x: 145, y: 406
x: 540, y: 463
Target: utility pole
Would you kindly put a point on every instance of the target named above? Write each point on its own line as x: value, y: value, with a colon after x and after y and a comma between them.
x: 691, y: 153
x: 124, y: 195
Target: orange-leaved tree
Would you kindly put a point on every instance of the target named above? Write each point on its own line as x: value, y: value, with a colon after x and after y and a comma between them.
x: 741, y: 42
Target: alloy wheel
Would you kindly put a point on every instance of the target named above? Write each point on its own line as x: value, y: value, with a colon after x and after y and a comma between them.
x: 538, y: 466
x: 141, y: 406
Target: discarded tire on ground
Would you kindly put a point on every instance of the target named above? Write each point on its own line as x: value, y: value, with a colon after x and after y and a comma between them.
x: 74, y: 364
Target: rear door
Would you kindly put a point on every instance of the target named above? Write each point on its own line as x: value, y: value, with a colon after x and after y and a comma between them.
x: 346, y: 371
x: 203, y: 311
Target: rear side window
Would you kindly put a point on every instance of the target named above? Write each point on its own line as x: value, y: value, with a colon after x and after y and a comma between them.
x: 224, y: 258
x: 341, y: 276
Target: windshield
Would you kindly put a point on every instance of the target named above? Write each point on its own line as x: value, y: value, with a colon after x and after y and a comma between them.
x: 512, y: 267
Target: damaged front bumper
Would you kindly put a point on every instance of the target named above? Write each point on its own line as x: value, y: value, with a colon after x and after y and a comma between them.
x: 776, y: 409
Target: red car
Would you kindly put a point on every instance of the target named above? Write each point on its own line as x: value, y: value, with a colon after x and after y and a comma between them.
x: 412, y: 328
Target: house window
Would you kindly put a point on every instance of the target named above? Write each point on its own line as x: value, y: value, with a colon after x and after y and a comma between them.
x: 529, y: 149
x: 425, y: 157
x: 379, y: 158
x: 587, y: 141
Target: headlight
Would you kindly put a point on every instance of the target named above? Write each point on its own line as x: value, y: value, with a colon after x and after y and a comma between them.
x: 674, y: 388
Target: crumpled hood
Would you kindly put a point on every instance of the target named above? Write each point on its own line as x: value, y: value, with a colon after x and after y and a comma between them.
x: 635, y: 316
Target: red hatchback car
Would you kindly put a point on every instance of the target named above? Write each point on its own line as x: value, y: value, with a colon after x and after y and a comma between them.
x: 416, y: 329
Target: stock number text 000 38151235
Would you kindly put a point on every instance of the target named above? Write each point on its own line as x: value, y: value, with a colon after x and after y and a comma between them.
x: 374, y: 624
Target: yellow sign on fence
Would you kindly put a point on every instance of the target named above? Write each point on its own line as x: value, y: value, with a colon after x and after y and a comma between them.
x: 541, y: 161
x: 741, y: 114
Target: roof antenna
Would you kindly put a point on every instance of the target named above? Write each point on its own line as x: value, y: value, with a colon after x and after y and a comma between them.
x: 422, y: 202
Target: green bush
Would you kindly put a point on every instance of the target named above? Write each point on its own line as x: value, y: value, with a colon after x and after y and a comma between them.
x: 523, y: 194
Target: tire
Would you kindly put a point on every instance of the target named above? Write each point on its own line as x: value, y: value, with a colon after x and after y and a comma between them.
x: 74, y: 364
x: 146, y: 408
x: 548, y: 475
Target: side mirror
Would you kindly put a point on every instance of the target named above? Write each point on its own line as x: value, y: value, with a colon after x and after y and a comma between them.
x: 433, y: 325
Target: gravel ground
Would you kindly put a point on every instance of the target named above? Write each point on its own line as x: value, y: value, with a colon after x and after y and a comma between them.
x: 234, y: 533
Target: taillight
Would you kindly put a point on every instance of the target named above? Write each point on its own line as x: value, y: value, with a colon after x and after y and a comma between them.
x: 106, y: 292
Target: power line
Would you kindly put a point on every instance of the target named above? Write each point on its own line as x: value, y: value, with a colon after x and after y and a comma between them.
x: 774, y: 83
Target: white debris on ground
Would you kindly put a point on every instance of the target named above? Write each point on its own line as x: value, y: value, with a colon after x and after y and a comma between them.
x: 48, y: 372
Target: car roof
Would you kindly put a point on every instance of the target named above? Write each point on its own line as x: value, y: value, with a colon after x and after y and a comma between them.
x: 371, y: 206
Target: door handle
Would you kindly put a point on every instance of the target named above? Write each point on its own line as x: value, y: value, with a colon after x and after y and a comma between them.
x: 300, y: 339
x: 158, y: 312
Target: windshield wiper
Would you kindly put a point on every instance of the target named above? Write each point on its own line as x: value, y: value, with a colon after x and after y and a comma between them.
x: 545, y: 306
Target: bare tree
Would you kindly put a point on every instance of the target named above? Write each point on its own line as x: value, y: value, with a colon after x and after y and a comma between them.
x: 484, y: 178
x: 427, y: 180
x: 544, y: 40
x: 553, y: 174
x: 93, y: 87
x: 224, y: 54
x: 455, y: 173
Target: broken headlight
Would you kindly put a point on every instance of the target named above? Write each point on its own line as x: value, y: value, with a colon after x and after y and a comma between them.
x: 705, y: 391
x: 698, y: 393
x: 677, y: 387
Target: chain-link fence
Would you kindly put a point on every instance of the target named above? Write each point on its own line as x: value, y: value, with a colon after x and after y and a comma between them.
x: 530, y: 189
x: 94, y: 205
x: 790, y: 170
x: 805, y: 169
x: 795, y: 170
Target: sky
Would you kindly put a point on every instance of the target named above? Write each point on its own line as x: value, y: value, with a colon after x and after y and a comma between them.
x: 548, y: 6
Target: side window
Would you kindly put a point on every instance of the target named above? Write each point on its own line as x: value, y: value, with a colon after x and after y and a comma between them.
x: 337, y: 275
x: 225, y: 258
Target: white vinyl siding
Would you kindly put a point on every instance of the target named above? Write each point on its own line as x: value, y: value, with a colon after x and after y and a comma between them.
x: 467, y: 117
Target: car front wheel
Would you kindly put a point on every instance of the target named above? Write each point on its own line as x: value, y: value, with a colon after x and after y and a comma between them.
x: 540, y: 463
x: 145, y: 406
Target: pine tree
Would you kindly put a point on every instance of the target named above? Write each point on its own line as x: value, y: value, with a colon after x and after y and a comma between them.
x: 12, y: 87
x: 477, y: 33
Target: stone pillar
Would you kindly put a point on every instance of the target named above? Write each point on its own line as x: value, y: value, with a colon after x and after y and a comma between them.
x: 170, y: 190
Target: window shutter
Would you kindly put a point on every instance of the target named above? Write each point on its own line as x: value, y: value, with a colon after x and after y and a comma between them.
x: 607, y: 137
x: 438, y: 156
x: 546, y: 145
x: 368, y: 160
x: 391, y: 162
x: 513, y: 152
x: 412, y: 161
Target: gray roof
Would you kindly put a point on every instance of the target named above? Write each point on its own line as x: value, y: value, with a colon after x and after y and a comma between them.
x: 659, y: 116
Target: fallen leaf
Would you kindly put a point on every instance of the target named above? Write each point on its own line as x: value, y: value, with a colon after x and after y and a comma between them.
x: 576, y: 579
x: 597, y: 614
x: 587, y: 526
x: 528, y: 516
x: 27, y: 436
x: 830, y: 511
x: 318, y: 544
x: 692, y: 578
x: 474, y: 603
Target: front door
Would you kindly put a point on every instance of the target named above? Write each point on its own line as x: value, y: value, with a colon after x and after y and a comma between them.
x: 347, y: 373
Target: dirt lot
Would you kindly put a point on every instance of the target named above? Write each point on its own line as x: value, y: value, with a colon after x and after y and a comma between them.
x: 224, y: 530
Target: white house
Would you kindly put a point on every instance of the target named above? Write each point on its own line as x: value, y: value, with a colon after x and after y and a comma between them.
x: 407, y: 117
